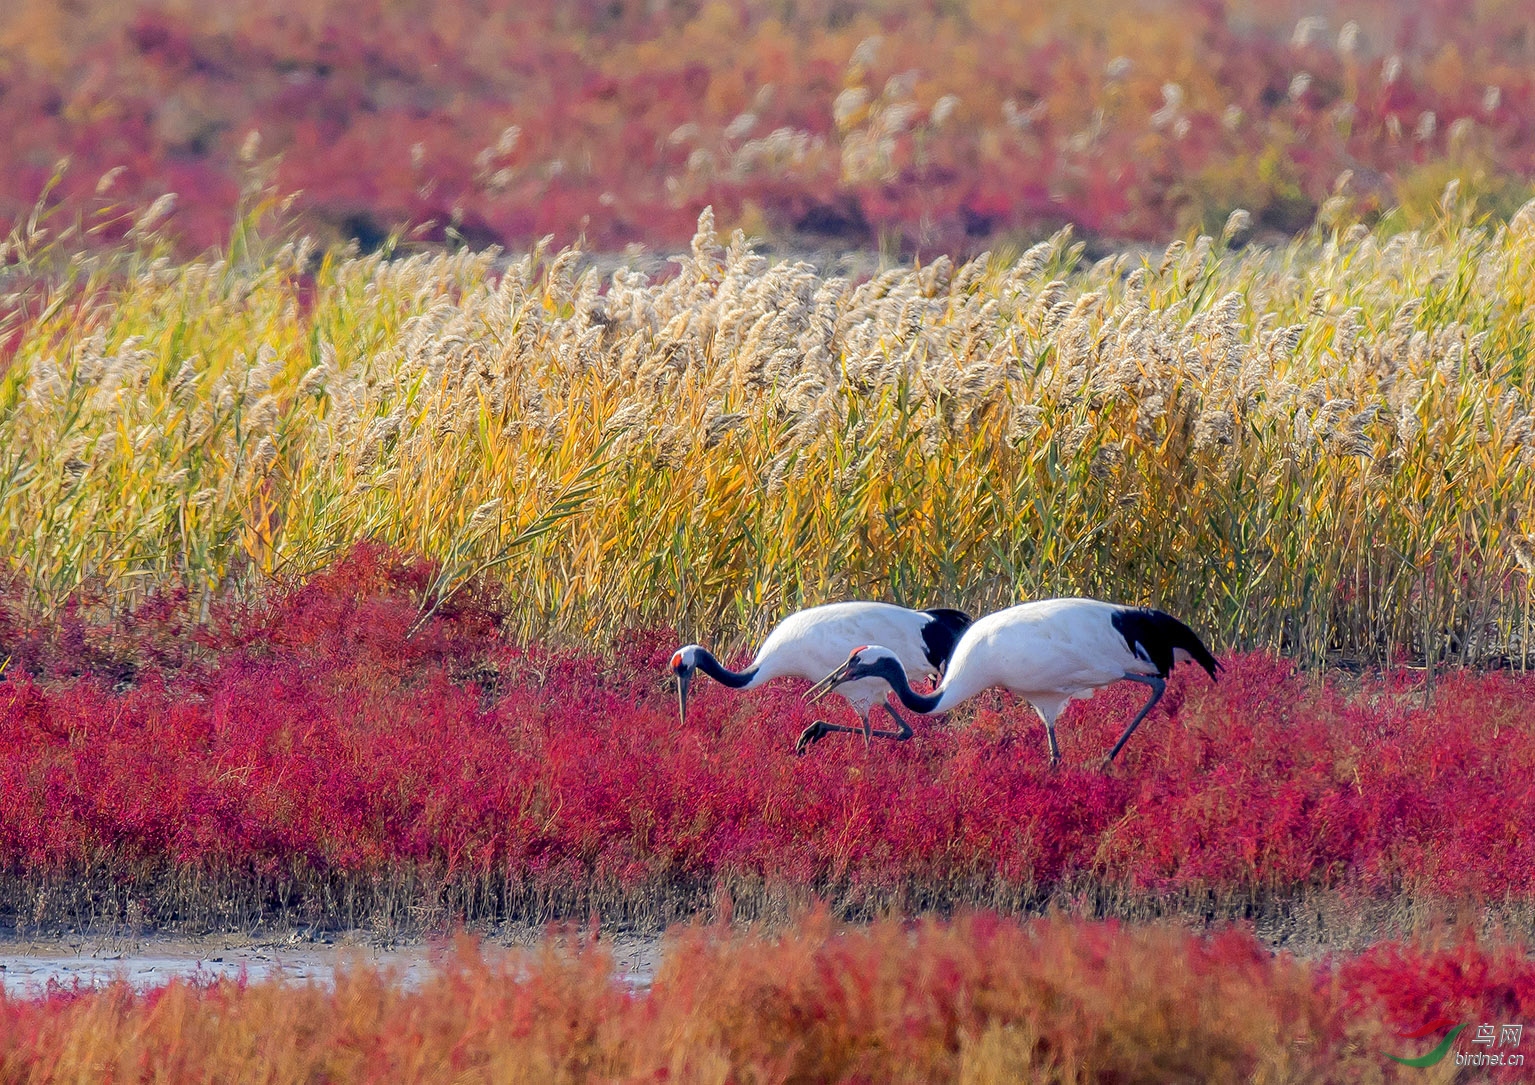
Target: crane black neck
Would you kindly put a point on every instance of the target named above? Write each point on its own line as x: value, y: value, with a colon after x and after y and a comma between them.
x: 724, y: 676
x: 893, y: 674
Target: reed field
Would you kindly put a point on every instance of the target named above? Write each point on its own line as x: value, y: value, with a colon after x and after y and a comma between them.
x: 338, y: 587
x: 338, y: 591
x: 1324, y: 449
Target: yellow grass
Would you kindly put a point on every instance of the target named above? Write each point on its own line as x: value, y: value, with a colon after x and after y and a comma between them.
x: 1326, y: 447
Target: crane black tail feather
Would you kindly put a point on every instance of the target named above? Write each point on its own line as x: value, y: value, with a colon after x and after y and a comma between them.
x: 1156, y: 635
x: 940, y: 635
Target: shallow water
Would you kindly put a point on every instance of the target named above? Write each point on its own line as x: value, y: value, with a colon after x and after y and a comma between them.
x: 29, y: 968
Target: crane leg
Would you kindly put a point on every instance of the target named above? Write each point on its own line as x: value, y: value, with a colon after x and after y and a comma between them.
x: 820, y: 728
x: 1048, y: 708
x: 1158, y: 687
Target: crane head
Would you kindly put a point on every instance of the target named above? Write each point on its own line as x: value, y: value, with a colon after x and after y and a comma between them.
x: 684, y: 663
x: 868, y: 660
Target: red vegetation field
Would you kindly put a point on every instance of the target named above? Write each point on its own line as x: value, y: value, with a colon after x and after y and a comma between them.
x: 937, y: 126
x: 981, y: 999
x: 315, y: 763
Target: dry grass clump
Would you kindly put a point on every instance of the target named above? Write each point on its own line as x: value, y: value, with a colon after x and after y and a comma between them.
x: 1327, y: 447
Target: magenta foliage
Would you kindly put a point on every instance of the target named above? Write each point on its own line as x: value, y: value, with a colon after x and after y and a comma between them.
x: 317, y: 735
x: 1414, y: 987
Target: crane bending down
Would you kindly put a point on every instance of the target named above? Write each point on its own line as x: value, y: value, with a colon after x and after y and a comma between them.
x: 1048, y: 652
x: 810, y: 642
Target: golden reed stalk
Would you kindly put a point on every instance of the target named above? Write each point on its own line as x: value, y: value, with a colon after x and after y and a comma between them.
x: 1325, y: 448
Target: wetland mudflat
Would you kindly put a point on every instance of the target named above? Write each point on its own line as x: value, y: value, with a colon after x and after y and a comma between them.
x: 29, y: 967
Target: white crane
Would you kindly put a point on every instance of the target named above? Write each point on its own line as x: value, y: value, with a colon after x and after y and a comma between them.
x: 1047, y: 652
x: 810, y: 642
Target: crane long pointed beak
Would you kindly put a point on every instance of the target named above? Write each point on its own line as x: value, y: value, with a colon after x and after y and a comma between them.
x: 684, y: 680
x: 829, y: 683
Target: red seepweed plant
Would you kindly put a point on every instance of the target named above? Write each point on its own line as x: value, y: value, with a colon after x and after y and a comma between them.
x: 313, y: 762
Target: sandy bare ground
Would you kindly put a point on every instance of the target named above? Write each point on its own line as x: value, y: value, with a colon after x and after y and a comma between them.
x: 1314, y: 925
x: 28, y: 967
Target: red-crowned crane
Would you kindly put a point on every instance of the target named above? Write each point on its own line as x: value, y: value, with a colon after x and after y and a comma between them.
x: 810, y: 642
x: 1047, y: 652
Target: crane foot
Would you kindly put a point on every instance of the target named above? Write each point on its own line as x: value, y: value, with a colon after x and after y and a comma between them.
x: 810, y: 736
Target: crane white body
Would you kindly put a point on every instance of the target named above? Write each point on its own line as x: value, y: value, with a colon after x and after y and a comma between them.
x: 809, y: 643
x: 1048, y: 652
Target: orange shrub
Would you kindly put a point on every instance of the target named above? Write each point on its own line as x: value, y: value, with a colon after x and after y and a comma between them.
x: 979, y: 1000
